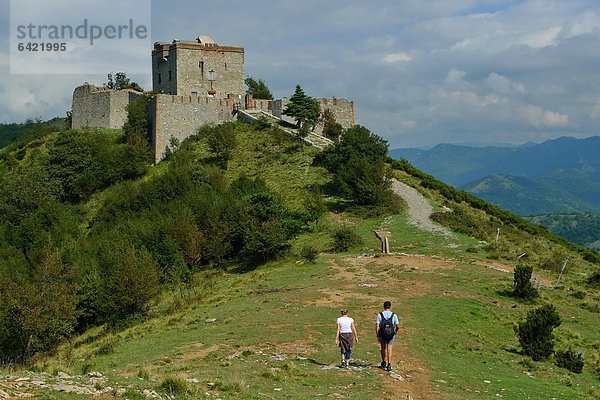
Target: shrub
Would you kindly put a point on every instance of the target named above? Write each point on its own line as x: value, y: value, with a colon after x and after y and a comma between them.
x: 174, y: 385
x: 523, y: 287
x: 570, y: 360
x: 594, y: 280
x: 344, y: 239
x: 309, y: 253
x: 535, y: 333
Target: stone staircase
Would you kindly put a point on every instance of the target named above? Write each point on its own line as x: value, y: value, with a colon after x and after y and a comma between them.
x: 251, y: 117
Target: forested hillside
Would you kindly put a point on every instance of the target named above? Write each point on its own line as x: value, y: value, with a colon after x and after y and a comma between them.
x: 580, y: 228
x: 147, y: 274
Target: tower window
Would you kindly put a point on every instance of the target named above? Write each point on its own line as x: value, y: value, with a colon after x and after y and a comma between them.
x: 170, y: 76
x: 201, y: 65
x: 159, y: 79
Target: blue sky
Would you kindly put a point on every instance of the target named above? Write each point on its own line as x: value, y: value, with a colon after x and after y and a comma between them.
x: 420, y: 72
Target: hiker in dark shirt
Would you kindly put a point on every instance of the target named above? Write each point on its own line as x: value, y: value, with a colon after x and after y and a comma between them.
x: 385, y: 328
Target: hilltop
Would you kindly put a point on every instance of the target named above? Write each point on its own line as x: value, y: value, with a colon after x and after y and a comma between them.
x: 235, y: 321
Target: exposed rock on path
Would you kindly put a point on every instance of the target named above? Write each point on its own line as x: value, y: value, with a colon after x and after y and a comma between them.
x: 419, y: 209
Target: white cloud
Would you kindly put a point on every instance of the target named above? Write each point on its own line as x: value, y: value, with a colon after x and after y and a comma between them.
x: 420, y: 73
x: 546, y: 37
x: 539, y: 118
x: 501, y: 84
x: 395, y: 57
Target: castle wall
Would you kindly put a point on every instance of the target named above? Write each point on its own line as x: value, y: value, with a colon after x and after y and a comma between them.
x: 102, y: 108
x: 342, y: 109
x: 180, y: 117
x: 186, y: 70
x: 258, y: 104
x: 164, y: 76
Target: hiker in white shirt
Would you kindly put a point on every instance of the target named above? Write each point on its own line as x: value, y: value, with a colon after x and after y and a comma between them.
x: 345, y: 335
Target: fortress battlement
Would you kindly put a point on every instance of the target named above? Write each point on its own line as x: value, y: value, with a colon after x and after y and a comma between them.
x: 197, y: 82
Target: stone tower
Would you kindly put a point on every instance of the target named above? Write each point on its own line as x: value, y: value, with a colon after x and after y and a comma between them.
x: 199, y: 68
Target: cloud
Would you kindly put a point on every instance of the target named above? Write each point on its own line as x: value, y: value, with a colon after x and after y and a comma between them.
x: 539, y: 118
x: 546, y: 37
x: 420, y: 73
x: 501, y: 84
x: 395, y: 57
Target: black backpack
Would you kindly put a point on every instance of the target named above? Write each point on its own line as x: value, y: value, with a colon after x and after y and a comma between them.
x: 386, y: 328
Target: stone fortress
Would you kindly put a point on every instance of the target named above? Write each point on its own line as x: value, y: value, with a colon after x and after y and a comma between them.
x: 196, y: 82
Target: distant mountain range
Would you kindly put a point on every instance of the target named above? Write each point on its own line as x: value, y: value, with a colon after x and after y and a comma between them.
x: 555, y: 183
x: 561, y: 175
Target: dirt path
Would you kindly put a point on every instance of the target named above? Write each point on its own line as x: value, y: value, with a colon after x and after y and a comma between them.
x: 419, y: 209
x: 369, y: 279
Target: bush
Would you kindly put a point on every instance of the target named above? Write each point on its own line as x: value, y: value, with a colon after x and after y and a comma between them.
x: 523, y: 287
x: 594, y: 280
x: 570, y: 360
x: 358, y: 163
x: 535, y: 333
x: 309, y: 253
x: 174, y: 385
x: 344, y: 239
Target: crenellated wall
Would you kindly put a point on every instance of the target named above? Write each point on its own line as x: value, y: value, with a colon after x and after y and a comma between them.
x: 179, y: 117
x: 198, y: 82
x: 342, y: 109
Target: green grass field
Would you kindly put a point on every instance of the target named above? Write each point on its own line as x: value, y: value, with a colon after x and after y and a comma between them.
x: 269, y: 332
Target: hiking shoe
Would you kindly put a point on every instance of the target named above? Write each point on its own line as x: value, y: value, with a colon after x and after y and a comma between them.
x: 382, y: 366
x: 389, y: 367
x: 347, y: 365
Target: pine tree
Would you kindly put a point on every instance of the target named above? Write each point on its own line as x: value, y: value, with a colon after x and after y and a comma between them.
x: 302, y: 108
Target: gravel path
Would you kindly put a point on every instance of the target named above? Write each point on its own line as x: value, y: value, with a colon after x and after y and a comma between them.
x: 419, y: 209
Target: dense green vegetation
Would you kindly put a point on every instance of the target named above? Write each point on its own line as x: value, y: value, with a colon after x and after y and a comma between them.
x: 358, y: 164
x: 162, y: 273
x: 525, y: 196
x: 17, y: 135
x: 144, y: 237
x: 580, y: 228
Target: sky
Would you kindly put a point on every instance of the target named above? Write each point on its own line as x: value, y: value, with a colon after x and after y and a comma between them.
x: 420, y: 72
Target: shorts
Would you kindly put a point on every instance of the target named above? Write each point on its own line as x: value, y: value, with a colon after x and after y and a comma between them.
x: 388, y: 341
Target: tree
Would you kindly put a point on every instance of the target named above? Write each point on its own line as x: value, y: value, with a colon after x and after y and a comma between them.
x: 35, y: 314
x: 358, y: 162
x: 222, y: 141
x: 523, y: 287
x: 535, y: 333
x: 302, y: 108
x: 137, y: 127
x: 258, y: 90
x: 121, y: 81
x: 331, y: 129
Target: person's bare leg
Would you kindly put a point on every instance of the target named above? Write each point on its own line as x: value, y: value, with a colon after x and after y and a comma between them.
x: 383, y: 348
x: 389, y: 354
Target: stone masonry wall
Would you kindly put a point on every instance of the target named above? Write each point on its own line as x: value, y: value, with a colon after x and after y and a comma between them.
x: 180, y: 117
x: 102, y: 108
x: 183, y: 68
x: 253, y: 104
x: 342, y: 109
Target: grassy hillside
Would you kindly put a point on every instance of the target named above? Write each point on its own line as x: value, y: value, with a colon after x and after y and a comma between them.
x: 266, y: 329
